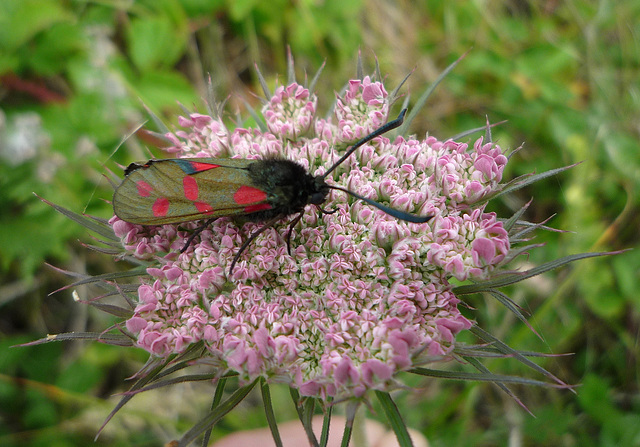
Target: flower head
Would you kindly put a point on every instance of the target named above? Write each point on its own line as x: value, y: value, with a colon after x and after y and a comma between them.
x: 363, y: 295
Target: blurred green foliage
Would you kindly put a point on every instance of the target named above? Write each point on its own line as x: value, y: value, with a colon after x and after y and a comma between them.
x: 74, y: 77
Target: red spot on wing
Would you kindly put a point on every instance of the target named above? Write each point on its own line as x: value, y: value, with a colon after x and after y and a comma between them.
x: 259, y: 207
x: 160, y: 207
x: 203, y: 208
x: 199, y: 166
x: 144, y: 189
x: 190, y: 187
x: 249, y: 194
x: 192, y: 167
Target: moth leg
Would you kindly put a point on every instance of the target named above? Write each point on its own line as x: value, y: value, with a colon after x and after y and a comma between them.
x: 197, y: 232
x: 323, y: 211
x: 293, y: 223
x: 255, y: 234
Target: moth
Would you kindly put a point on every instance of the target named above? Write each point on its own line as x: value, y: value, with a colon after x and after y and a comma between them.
x: 172, y: 191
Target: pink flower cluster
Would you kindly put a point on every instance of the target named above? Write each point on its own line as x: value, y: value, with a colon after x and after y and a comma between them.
x: 289, y: 112
x: 363, y: 295
x: 363, y: 107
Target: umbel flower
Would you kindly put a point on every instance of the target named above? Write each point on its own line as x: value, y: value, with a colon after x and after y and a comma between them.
x: 362, y: 297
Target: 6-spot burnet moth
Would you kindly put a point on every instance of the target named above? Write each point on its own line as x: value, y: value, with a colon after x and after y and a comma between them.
x: 185, y: 189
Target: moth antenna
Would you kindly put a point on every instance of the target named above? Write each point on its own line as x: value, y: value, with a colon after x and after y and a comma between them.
x: 376, y: 133
x: 402, y: 215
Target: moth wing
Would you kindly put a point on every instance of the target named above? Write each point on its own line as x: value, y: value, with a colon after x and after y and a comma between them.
x: 181, y: 190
